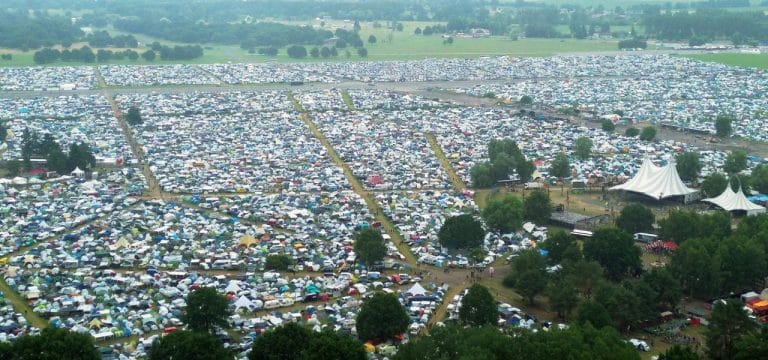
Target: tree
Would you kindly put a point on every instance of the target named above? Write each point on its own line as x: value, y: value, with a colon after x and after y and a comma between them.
x: 728, y: 323
x: 325, y: 52
x: 735, y: 162
x: 504, y: 215
x: 560, y: 166
x: 372, y: 39
x: 615, y: 250
x: 315, y: 52
x: 714, y: 184
x: 635, y: 218
x: 417, y: 31
x: 688, y: 166
x: 80, y: 156
x: 526, y: 100
x: 133, y: 117
x: 280, y: 262
x: 149, y: 55
x: 188, y: 345
x: 362, y: 52
x: 528, y: 276
x: 648, y: 133
x: 631, y: 132
x: 559, y: 246
x: 678, y: 352
x: 54, y: 343
x: 583, y: 147
x: 538, y: 207
x: 13, y: 167
x: 593, y: 313
x: 587, y: 276
x: 296, y: 52
x: 697, y: 267
x: 723, y: 125
x: 750, y: 347
x: 607, y: 125
x: 268, y: 51
x: 206, y: 310
x: 356, y: 26
x: 665, y: 285
x: 381, y: 317
x: 478, y: 308
x: 461, y: 232
x: 295, y: 342
x: 57, y: 161
x: 624, y: 305
x: 563, y: 297
x: 369, y: 246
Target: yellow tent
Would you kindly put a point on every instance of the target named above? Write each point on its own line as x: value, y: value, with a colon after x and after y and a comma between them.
x: 369, y: 347
x: 95, y: 323
x: 122, y: 243
x: 247, y: 240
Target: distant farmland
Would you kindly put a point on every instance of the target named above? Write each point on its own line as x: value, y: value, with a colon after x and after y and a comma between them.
x: 745, y: 60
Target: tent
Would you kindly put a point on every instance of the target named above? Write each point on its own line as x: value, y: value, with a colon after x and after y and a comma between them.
x: 656, y: 182
x: 243, y: 302
x: 77, y: 172
x: 417, y: 290
x: 247, y: 240
x: 735, y: 201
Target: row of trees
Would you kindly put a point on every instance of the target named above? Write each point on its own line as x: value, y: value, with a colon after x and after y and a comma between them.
x: 86, y: 54
x: 738, y: 26
x: 300, y: 52
x: 101, y: 39
x: 33, y: 146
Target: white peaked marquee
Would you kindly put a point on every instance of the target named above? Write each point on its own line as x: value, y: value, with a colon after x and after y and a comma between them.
x: 657, y: 182
x: 735, y: 201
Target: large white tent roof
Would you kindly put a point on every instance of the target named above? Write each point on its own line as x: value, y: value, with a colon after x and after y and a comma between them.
x: 656, y: 182
x: 735, y: 201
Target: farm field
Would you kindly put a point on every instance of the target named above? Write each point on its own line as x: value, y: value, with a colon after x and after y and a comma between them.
x: 745, y: 60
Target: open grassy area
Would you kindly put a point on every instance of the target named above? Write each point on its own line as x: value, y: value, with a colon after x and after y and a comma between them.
x: 736, y: 59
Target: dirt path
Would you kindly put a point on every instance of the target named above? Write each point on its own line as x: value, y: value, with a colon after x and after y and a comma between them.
x: 456, y: 181
x: 348, y: 100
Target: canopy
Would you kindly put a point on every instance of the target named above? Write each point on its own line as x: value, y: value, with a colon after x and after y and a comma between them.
x: 735, y: 201
x: 417, y: 290
x: 243, y: 302
x: 658, y: 183
x: 247, y: 240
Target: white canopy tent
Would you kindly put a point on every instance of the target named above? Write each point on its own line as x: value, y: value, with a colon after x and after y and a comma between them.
x: 735, y: 201
x: 657, y: 182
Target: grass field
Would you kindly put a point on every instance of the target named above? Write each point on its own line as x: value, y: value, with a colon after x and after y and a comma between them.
x: 390, y: 45
x: 745, y: 60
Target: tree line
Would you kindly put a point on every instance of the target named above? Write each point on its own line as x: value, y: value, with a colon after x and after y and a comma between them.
x: 34, y: 147
x: 86, y: 54
x: 505, y: 160
x: 739, y: 26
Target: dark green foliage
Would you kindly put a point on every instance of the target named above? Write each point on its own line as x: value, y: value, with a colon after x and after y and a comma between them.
x: 294, y: 342
x: 706, y: 24
x: 635, y: 218
x: 372, y: 39
x: 461, y: 232
x: 749, y: 347
x: 727, y: 323
x: 268, y: 51
x: 362, y: 52
x: 665, y: 286
x: 280, y: 262
x: 296, y: 52
x: 560, y: 166
x: 583, y: 147
x: 735, y: 162
x: 538, y: 207
x: 206, y: 310
x: 648, y: 133
x: 529, y: 275
x: 759, y: 178
x: 188, y: 345
x: 559, y: 246
x: 54, y: 344
x: 315, y: 52
x: 587, y: 276
x: 625, y: 304
x: 381, y: 317
x: 504, y: 215
x: 615, y: 250
x: 631, y: 132
x: 133, y: 117
x: 681, y: 225
x: 478, y: 308
x: 714, y: 184
x: 13, y: 167
x: 563, y: 297
x: 526, y: 100
x: 723, y: 125
x: 607, y: 125
x: 688, y: 166
x: 505, y: 159
x: 635, y: 43
x: 369, y: 246
x: 591, y: 312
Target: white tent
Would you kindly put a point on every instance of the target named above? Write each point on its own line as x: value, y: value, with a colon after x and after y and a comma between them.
x: 658, y: 183
x: 735, y: 201
x: 417, y: 290
x: 78, y: 172
x: 243, y: 302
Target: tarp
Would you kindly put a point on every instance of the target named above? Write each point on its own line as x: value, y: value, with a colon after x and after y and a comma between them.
x: 735, y: 201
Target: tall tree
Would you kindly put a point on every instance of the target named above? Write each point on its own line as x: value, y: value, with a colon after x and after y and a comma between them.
x: 563, y: 297
x: 751, y: 346
x: 615, y: 250
x: 593, y: 313
x: 735, y: 162
x: 727, y: 324
x: 666, y: 287
x: 714, y: 184
x: 723, y: 125
x: 583, y: 147
x: 587, y: 276
x: 560, y: 166
x: 206, y: 310
x: 369, y: 246
x: 54, y: 343
x: 461, y: 232
x: 478, y: 308
x: 538, y: 207
x: 648, y: 133
x: 678, y: 352
x: 188, y: 345
x: 504, y: 215
x: 133, y: 117
x: 381, y: 317
x: 635, y: 218
x: 688, y: 166
x: 759, y: 178
x: 295, y: 342
x: 561, y: 246
x: 528, y: 276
